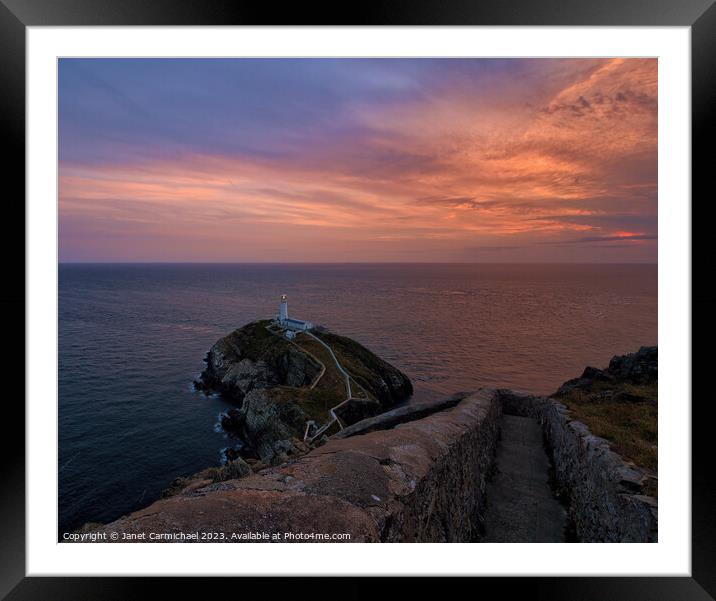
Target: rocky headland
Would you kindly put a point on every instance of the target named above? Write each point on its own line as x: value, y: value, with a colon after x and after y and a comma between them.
x: 283, y: 391
x: 420, y: 472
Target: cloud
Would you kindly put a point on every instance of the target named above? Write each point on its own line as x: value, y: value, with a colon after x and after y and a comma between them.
x: 619, y: 237
x: 388, y: 159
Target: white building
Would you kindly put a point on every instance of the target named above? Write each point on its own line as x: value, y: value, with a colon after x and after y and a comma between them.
x: 291, y: 324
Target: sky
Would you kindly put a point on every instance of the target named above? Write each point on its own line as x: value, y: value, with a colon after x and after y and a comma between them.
x: 358, y: 160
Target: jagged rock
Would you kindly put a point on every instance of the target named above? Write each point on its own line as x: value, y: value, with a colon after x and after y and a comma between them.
x: 594, y: 373
x: 636, y: 368
x: 232, y: 470
x: 252, y: 358
x: 266, y: 425
x: 639, y: 368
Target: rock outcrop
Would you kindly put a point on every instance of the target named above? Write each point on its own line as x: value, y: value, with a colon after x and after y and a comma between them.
x: 253, y: 358
x: 278, y: 386
x: 641, y: 367
x: 421, y: 480
x: 635, y: 368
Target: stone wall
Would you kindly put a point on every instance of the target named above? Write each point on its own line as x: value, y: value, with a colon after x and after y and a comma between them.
x: 422, y: 480
x: 604, y: 491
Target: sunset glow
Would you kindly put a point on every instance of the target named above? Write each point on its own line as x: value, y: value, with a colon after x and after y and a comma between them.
x: 358, y: 160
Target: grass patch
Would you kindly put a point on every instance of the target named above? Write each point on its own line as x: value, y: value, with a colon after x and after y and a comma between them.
x: 624, y: 414
x: 332, y: 381
x: 315, y: 403
x: 253, y: 341
x: 358, y: 361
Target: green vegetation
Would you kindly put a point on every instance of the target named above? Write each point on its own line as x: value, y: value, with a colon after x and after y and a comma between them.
x: 624, y: 414
x: 315, y: 402
x: 255, y: 342
x: 332, y: 380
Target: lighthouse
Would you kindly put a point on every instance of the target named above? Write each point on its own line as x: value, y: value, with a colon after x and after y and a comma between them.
x: 283, y: 308
x: 291, y: 324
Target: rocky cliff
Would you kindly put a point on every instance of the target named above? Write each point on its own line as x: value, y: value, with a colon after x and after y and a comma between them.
x: 279, y: 386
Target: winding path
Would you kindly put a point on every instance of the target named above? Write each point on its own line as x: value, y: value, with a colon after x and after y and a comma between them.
x: 349, y: 394
x: 338, y: 365
x: 343, y: 372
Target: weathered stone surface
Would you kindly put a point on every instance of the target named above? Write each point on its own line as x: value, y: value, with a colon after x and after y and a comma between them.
x: 404, y: 414
x: 232, y: 470
x: 604, y: 491
x: 421, y: 481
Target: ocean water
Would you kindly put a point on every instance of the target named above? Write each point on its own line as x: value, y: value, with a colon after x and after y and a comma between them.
x: 132, y: 338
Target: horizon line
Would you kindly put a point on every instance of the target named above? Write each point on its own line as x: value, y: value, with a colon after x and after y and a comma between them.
x: 357, y: 263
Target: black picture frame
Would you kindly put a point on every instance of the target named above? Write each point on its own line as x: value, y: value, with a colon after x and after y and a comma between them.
x: 17, y: 15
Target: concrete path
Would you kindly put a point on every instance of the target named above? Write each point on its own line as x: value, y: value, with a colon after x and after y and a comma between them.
x: 520, y: 504
x: 342, y: 371
x: 349, y: 393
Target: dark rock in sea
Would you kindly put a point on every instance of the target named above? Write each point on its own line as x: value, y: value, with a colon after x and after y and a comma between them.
x: 279, y: 386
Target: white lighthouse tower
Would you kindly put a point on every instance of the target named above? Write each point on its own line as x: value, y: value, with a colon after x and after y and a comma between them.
x: 291, y: 324
x: 283, y: 309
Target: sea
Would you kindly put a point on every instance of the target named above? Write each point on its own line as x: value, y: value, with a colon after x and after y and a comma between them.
x: 132, y: 338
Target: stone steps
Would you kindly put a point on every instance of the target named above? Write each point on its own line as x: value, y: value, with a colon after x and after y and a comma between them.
x: 521, y: 506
